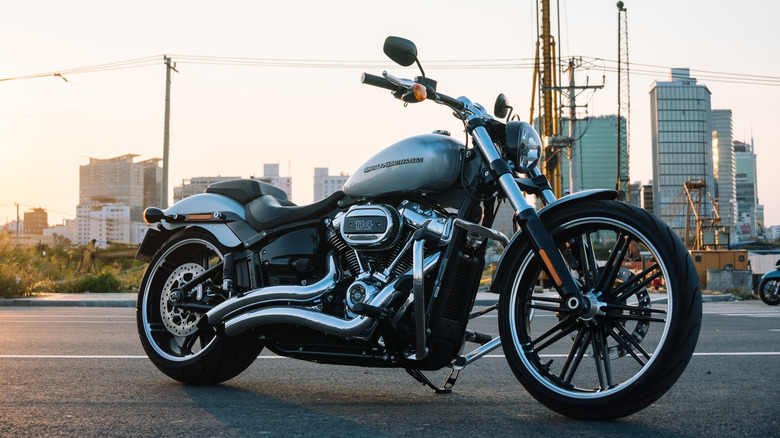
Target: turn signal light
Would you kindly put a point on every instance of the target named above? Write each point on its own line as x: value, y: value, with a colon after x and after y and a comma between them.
x: 152, y: 215
x: 420, y: 93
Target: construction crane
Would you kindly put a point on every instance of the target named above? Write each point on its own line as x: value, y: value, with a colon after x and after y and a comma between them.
x: 697, y: 223
x: 546, y: 80
x: 624, y: 105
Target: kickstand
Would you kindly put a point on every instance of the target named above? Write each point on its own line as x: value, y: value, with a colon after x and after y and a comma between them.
x: 446, y: 389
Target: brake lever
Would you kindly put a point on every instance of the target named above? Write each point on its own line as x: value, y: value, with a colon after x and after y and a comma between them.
x: 398, y: 81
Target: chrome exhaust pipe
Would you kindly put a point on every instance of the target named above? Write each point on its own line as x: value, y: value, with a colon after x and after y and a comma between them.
x: 271, y: 293
x: 355, y: 327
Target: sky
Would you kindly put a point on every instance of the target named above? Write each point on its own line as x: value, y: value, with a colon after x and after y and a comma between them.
x: 229, y: 119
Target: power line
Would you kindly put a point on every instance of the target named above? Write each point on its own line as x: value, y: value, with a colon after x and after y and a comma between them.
x: 608, y: 65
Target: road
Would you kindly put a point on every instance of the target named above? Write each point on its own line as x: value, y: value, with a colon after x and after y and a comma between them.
x: 81, y: 372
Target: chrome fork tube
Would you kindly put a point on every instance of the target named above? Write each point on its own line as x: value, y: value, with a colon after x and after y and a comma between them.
x: 529, y: 221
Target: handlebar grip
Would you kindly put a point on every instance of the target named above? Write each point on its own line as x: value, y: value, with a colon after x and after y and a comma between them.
x: 378, y: 81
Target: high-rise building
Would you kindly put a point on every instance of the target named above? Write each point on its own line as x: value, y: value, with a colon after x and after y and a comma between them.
x: 152, y: 182
x: 325, y: 185
x: 119, y: 180
x: 681, y: 124
x: 747, y: 192
x: 635, y: 194
x: 596, y: 140
x: 647, y: 196
x: 35, y: 221
x: 725, y: 193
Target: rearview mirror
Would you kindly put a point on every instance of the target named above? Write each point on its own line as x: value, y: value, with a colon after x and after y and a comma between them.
x: 400, y: 50
x: 502, y: 108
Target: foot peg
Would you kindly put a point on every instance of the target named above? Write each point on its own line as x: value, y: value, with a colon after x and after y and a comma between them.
x: 478, y: 338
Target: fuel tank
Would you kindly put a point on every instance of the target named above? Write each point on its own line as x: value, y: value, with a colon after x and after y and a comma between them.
x: 428, y: 163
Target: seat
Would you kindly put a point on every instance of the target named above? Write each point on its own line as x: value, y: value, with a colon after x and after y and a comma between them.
x: 268, y: 212
x: 246, y: 190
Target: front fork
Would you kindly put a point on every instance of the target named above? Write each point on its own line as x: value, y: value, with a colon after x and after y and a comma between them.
x: 532, y: 225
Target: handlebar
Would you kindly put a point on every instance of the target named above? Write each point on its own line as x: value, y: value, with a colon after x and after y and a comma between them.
x: 383, y: 82
x: 378, y: 81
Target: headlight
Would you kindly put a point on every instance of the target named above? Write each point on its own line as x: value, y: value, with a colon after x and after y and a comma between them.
x: 523, y: 145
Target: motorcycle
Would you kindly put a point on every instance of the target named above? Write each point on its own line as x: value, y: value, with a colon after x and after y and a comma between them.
x: 769, y: 288
x: 384, y: 273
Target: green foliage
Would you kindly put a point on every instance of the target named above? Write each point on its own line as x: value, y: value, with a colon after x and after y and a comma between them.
x: 103, y: 282
x: 30, y: 270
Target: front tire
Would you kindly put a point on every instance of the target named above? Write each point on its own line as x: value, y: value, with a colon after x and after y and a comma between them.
x: 180, y: 343
x: 631, y: 347
x: 769, y: 291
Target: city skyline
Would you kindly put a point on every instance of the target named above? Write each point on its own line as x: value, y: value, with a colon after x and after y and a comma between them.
x: 230, y: 119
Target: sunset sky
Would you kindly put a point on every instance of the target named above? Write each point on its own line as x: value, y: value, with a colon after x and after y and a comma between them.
x: 229, y: 118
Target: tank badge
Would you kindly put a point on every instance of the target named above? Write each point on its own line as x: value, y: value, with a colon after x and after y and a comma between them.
x: 392, y: 163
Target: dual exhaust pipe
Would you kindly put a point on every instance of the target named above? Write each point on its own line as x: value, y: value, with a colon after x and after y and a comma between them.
x: 255, y: 308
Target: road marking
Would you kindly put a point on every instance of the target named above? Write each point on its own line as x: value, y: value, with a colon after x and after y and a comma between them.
x: 65, y: 322
x: 52, y: 356
x: 492, y: 356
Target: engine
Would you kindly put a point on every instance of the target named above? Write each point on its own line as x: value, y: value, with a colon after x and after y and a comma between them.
x: 373, y: 242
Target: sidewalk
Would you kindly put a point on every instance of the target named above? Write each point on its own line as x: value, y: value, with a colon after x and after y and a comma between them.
x: 128, y: 300
x: 74, y: 300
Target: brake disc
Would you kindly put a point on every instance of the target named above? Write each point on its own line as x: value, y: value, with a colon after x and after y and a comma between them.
x: 176, y: 320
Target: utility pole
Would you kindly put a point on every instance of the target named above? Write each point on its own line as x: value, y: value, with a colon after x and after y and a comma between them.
x: 166, y: 132
x: 624, y: 106
x: 575, y: 177
x: 17, y: 222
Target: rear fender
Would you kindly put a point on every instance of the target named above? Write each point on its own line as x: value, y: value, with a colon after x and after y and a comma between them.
x: 197, y: 204
x: 512, y: 251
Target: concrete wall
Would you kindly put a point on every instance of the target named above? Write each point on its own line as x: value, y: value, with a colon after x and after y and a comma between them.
x: 723, y: 280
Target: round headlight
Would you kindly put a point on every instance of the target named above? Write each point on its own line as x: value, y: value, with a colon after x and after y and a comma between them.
x: 523, y: 145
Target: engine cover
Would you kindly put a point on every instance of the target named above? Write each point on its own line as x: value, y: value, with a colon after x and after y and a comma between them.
x: 370, y: 226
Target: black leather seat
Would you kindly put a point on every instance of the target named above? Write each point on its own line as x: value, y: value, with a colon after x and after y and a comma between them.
x: 246, y: 190
x: 267, y: 211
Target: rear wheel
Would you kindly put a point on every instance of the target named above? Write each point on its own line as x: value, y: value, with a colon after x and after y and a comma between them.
x: 181, y: 343
x: 632, y: 344
x: 769, y: 291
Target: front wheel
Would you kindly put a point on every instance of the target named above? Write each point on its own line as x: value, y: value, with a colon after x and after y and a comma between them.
x: 769, y: 291
x: 179, y: 342
x: 643, y: 320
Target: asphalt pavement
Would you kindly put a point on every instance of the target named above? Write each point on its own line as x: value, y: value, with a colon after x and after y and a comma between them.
x: 129, y: 299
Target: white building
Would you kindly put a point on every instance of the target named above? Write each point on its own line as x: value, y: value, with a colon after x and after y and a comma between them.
x: 326, y: 185
x: 271, y: 176
x: 103, y: 223
x: 196, y: 185
x: 67, y: 230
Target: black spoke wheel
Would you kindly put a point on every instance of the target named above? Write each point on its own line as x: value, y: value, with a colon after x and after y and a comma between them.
x: 642, y: 319
x: 769, y: 291
x: 181, y: 343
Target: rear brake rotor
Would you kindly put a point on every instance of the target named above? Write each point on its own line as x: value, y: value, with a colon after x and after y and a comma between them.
x: 176, y: 320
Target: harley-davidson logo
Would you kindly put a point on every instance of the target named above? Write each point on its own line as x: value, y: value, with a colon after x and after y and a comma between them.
x: 387, y: 164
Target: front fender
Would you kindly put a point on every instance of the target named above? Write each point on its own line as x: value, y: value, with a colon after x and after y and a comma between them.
x: 774, y: 274
x: 512, y: 251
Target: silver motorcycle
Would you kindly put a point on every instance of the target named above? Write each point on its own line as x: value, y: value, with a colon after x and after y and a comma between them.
x: 385, y: 272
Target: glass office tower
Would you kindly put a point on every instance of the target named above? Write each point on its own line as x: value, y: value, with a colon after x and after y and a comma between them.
x: 681, y: 125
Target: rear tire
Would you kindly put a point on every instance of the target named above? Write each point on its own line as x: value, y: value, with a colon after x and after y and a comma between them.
x: 632, y: 347
x: 769, y: 292
x: 182, y: 344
